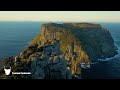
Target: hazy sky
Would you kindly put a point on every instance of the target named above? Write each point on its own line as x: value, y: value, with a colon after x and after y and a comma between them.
x: 68, y: 16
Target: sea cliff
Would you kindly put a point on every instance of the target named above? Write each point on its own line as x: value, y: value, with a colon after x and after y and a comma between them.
x: 58, y: 51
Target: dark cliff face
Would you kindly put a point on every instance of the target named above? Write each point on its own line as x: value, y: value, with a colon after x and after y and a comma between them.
x: 91, y: 40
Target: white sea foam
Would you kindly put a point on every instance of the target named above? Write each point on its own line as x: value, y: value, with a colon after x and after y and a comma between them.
x: 108, y: 59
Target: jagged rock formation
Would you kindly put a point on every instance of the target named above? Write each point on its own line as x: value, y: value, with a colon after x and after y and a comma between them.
x: 56, y: 53
x: 48, y: 62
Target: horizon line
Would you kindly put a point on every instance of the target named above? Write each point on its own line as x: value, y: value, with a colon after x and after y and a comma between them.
x: 67, y: 21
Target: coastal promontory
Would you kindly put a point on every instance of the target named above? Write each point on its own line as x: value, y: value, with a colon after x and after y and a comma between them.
x: 59, y: 50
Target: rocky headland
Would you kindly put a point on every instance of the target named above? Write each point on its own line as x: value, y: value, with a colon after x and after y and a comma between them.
x: 60, y: 51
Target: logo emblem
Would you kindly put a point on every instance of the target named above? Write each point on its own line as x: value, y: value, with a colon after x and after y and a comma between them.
x: 7, y: 71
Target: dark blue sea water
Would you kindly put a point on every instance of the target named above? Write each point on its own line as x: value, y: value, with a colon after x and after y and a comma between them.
x: 15, y: 36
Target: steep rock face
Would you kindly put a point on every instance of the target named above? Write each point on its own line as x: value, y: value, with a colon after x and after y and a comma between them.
x: 88, y: 41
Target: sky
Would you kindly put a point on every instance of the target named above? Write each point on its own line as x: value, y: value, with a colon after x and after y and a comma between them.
x: 61, y: 16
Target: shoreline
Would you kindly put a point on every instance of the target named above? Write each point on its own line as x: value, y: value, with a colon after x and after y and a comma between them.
x: 117, y: 54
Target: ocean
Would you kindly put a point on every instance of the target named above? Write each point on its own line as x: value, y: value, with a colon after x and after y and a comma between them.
x: 15, y: 37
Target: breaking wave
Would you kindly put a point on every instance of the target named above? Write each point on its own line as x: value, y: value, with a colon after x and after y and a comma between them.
x: 116, y: 56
